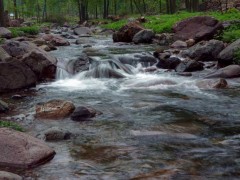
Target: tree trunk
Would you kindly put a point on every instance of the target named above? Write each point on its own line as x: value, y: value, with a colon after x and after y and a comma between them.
x: 15, y: 9
x: 44, y: 18
x: 138, y: 8
x: 160, y: 6
x: 2, y: 14
x: 131, y: 6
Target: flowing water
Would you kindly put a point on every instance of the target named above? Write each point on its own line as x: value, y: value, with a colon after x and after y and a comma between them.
x: 158, y: 124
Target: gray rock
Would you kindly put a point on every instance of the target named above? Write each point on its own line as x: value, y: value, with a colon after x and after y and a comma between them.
x: 189, y: 66
x: 15, y: 75
x: 179, y: 44
x: 20, y: 150
x: 82, y: 113
x: 163, y: 39
x: 143, y: 36
x: 56, y: 134
x: 169, y: 63
x: 5, y: 33
x: 82, y: 31
x: 226, y: 55
x: 212, y: 83
x: 3, y: 107
x: 9, y: 176
x: 205, y: 50
x: 231, y: 71
x: 42, y: 64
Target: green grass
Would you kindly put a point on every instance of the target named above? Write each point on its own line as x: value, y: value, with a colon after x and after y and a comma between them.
x: 11, y: 125
x: 164, y: 23
x: 19, y: 31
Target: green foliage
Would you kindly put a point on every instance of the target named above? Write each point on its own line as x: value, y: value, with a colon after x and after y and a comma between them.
x: 1, y: 41
x: 19, y: 31
x: 236, y: 58
x: 11, y: 125
x: 231, y: 36
x: 164, y: 23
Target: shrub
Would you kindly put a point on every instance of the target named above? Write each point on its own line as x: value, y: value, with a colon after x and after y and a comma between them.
x: 19, y: 31
x: 11, y: 125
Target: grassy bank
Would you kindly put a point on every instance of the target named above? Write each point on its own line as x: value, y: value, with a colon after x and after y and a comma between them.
x: 164, y: 23
x: 11, y: 125
x: 20, y: 31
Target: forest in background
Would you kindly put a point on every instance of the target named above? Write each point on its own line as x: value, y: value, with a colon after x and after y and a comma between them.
x: 82, y: 10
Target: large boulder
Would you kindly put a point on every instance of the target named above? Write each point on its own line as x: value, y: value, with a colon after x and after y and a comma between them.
x: 226, y: 56
x: 81, y: 31
x: 231, y: 71
x: 189, y: 66
x: 18, y: 49
x: 20, y: 150
x: 54, y: 109
x: 38, y: 60
x: 41, y: 64
x: 15, y: 75
x: 205, y: 50
x: 127, y: 32
x: 55, y: 40
x: 197, y: 28
x: 143, y: 36
x: 5, y: 33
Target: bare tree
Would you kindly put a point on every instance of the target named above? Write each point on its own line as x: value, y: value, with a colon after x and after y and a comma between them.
x: 2, y: 18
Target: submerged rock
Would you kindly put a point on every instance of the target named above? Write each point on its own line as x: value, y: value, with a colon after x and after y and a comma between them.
x: 20, y: 150
x: 160, y: 174
x: 9, y: 176
x: 212, y: 84
x: 54, y: 109
x: 197, y: 28
x: 56, y: 134
x: 82, y: 113
x: 231, y: 71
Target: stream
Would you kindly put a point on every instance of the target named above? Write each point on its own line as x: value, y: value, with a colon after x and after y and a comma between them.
x: 156, y: 125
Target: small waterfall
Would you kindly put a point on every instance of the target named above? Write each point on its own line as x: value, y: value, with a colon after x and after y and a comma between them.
x: 106, y: 69
x: 62, y: 74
